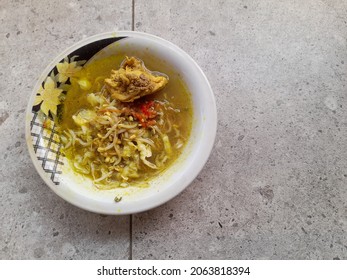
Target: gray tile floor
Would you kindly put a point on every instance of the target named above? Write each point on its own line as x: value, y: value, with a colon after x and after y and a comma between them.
x: 275, y: 186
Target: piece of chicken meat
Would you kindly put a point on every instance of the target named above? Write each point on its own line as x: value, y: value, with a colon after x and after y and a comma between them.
x: 133, y: 80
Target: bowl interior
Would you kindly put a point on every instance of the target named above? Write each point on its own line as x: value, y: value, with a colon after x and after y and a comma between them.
x: 44, y: 144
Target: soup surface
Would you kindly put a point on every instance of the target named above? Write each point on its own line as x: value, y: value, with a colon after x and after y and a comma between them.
x: 117, y: 143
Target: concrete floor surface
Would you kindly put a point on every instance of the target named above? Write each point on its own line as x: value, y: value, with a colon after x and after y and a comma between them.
x: 275, y: 184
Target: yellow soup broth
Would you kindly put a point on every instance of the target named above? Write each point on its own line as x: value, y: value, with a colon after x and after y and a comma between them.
x: 177, y: 113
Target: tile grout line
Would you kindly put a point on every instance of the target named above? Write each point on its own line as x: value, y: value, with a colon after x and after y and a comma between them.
x: 131, y: 237
x: 131, y: 216
x: 133, y: 16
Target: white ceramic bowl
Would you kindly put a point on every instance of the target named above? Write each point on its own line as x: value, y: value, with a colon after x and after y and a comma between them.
x: 44, y: 147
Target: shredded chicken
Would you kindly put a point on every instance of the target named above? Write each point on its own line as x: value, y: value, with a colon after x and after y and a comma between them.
x: 133, y: 80
x: 115, y: 142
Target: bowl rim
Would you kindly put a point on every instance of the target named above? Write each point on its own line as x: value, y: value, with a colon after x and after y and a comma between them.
x: 208, y: 139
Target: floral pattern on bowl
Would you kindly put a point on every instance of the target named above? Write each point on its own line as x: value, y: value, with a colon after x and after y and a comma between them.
x: 50, y: 95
